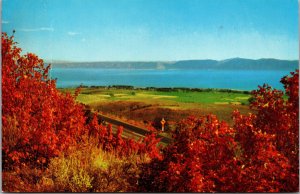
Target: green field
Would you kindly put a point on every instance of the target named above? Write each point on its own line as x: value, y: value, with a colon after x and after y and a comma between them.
x: 96, y: 95
x: 142, y: 106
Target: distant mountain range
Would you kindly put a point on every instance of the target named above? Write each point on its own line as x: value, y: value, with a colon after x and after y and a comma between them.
x: 228, y: 64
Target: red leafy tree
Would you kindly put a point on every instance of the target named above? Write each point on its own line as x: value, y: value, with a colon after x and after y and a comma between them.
x: 269, y: 139
x: 259, y: 154
x: 202, y: 159
x: 263, y: 167
x: 38, y: 121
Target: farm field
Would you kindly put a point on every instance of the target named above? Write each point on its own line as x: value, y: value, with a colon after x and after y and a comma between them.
x: 141, y: 106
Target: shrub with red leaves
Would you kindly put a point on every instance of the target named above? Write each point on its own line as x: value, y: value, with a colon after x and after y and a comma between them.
x: 258, y: 154
x: 201, y: 159
x: 38, y: 122
x: 270, y: 138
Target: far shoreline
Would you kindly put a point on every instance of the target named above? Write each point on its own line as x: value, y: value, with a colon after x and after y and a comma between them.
x: 161, y: 89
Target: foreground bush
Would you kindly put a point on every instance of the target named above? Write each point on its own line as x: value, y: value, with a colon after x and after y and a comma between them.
x: 38, y: 122
x: 80, y: 169
x: 260, y: 153
x: 201, y: 159
x: 90, y: 169
x: 46, y: 133
x: 270, y: 138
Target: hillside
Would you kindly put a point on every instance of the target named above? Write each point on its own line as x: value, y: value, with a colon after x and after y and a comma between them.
x: 228, y: 64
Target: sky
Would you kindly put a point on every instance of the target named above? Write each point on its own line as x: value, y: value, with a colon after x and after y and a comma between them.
x: 154, y: 30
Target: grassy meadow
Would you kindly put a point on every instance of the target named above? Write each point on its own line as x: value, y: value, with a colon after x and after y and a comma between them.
x: 93, y: 95
x: 142, y: 106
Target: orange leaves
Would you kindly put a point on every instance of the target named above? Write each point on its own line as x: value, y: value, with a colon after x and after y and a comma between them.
x: 291, y: 85
x: 258, y: 154
x: 40, y: 110
x: 199, y: 160
x: 46, y: 122
x: 269, y: 139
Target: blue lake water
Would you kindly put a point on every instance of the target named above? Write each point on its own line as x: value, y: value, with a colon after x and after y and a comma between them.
x: 230, y: 79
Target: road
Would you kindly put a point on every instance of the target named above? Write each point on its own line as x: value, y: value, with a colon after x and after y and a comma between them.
x: 131, y: 130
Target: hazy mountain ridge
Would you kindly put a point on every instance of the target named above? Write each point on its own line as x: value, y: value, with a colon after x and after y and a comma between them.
x: 228, y: 64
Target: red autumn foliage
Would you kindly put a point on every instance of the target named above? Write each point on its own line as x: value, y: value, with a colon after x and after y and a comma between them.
x: 270, y: 138
x: 45, y: 120
x: 258, y: 154
x: 39, y: 122
x: 201, y: 159
x: 263, y: 167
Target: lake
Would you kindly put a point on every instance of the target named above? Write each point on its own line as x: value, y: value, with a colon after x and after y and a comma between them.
x: 229, y: 79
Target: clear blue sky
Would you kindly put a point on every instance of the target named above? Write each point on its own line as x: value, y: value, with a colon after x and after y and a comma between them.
x: 122, y: 30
